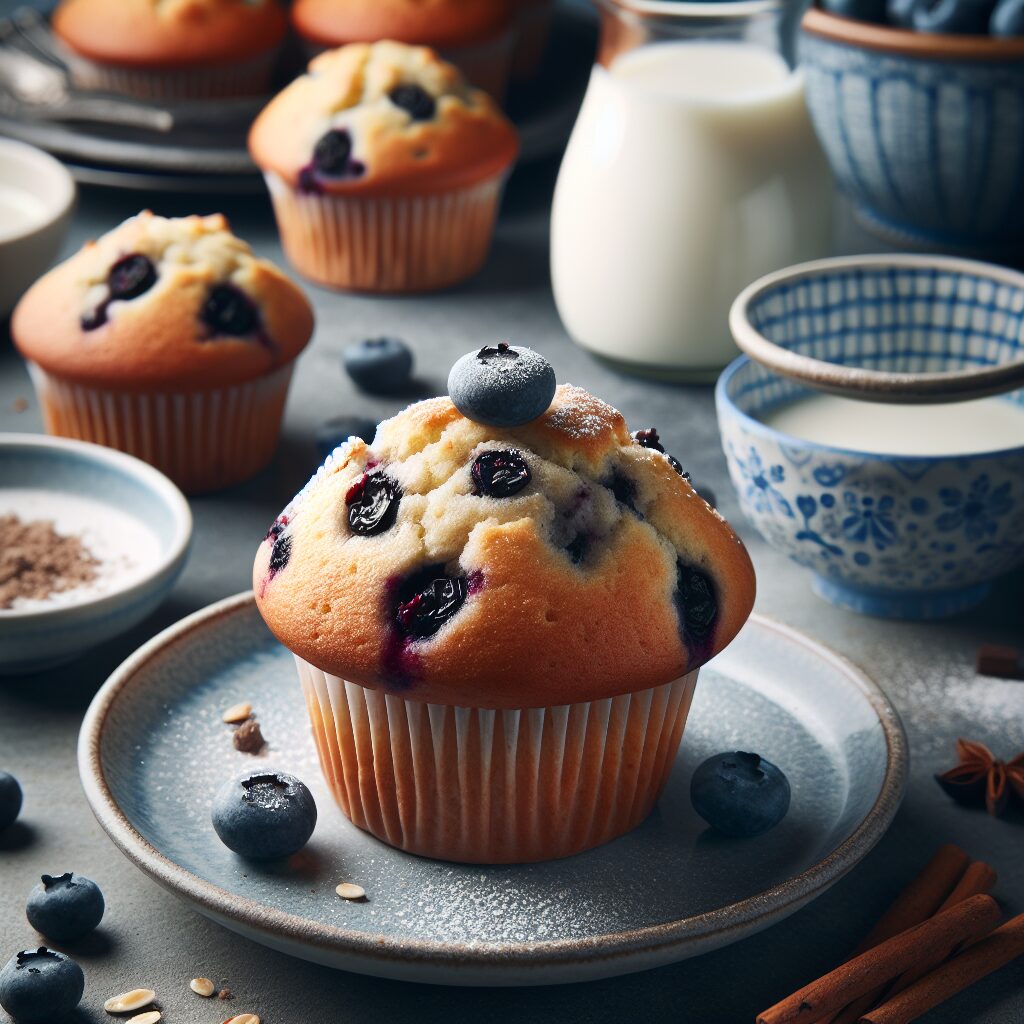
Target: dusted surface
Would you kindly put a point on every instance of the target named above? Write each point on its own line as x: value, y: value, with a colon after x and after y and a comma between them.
x: 150, y: 938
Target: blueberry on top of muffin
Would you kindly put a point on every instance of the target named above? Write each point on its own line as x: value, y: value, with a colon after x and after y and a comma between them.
x: 381, y: 118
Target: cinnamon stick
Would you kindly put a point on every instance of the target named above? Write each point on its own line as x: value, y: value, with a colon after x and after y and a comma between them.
x: 994, y: 951
x: 922, y: 898
x: 869, y: 971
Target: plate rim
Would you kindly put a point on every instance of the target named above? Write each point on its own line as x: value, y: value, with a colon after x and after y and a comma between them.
x: 693, y: 934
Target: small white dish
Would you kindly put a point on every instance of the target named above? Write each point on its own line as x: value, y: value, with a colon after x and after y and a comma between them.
x: 130, y: 517
x: 37, y: 199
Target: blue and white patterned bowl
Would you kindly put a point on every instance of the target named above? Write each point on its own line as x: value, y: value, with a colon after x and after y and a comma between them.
x: 924, y: 132
x: 900, y: 537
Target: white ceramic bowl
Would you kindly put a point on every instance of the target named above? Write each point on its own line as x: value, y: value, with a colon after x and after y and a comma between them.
x: 130, y: 517
x: 37, y: 199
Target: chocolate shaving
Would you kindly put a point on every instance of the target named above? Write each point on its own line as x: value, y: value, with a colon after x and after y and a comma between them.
x: 36, y: 561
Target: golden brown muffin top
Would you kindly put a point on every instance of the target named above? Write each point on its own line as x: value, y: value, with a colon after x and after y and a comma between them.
x: 439, y: 23
x: 163, y: 303
x: 410, y: 565
x: 382, y: 118
x: 170, y: 33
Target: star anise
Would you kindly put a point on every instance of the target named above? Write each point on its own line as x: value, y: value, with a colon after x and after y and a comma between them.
x: 981, y: 778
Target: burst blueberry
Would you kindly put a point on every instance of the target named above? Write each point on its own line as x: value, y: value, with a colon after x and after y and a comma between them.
x: 131, y: 277
x: 373, y: 502
x: 740, y: 794
x: 332, y: 152
x: 502, y: 385
x: 428, y: 601
x: 264, y: 815
x: 10, y: 800
x: 696, y: 605
x: 40, y: 986
x: 500, y: 474
x: 382, y: 366
x: 65, y: 907
x: 649, y: 438
x: 415, y: 100
x: 229, y: 311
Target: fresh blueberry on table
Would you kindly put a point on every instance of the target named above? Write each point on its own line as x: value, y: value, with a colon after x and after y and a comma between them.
x: 10, y: 800
x: 861, y: 10
x: 264, y: 815
x: 740, y: 794
x: 957, y: 17
x: 65, y: 907
x: 502, y: 385
x: 382, y: 366
x: 1008, y: 18
x: 337, y: 431
x: 40, y: 986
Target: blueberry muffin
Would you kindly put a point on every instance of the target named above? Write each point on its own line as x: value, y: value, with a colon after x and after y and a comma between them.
x: 478, y: 36
x: 501, y: 626
x: 385, y: 169
x: 170, y: 340
x: 171, y: 49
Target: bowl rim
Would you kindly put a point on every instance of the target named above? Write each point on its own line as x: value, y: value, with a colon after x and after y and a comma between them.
x: 725, y: 401
x: 865, y: 384
x: 56, y: 210
x: 151, y: 478
x: 905, y: 42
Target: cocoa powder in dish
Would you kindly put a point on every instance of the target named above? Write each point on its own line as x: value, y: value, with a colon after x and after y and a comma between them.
x: 36, y: 561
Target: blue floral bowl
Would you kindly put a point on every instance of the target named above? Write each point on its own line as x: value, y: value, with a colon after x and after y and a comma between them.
x: 923, y: 131
x: 900, y: 537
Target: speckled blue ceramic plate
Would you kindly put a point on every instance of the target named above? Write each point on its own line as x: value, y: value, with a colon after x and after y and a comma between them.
x: 153, y: 748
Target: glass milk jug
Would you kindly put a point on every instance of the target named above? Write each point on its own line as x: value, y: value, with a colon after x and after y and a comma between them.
x: 692, y: 170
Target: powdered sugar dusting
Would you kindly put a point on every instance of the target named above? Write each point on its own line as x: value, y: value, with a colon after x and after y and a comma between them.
x: 579, y: 415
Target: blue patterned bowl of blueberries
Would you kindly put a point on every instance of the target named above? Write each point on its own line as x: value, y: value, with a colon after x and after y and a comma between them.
x: 919, y: 106
x: 914, y: 536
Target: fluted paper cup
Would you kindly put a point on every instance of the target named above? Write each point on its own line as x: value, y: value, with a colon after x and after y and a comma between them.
x: 202, y: 440
x: 494, y: 787
x: 386, y: 244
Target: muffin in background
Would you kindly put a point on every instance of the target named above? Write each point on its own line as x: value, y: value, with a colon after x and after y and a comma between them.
x: 171, y: 49
x: 385, y: 169
x: 498, y: 630
x: 167, y: 339
x: 478, y: 36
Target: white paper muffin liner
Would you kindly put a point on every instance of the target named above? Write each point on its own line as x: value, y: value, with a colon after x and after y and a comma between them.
x: 493, y: 787
x: 202, y: 440
x: 399, y: 244
x: 246, y: 78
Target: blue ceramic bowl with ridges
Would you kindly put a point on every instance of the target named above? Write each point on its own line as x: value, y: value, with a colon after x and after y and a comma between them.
x: 889, y: 535
x: 924, y: 132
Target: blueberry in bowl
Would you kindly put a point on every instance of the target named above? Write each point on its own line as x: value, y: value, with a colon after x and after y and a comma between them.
x: 65, y: 908
x: 264, y: 815
x: 740, y: 794
x: 40, y: 986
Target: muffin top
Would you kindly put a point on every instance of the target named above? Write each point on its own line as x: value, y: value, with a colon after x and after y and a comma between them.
x: 160, y: 302
x: 382, y: 118
x: 440, y: 23
x: 469, y: 565
x: 169, y: 33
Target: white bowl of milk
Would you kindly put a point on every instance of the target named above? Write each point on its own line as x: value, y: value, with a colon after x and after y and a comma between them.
x: 900, y: 509
x: 37, y: 198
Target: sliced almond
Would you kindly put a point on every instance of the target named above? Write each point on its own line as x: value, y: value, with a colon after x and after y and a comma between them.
x: 350, y: 891
x: 149, y: 1017
x: 134, y: 1000
x: 202, y: 987
x: 243, y: 1018
x: 237, y: 713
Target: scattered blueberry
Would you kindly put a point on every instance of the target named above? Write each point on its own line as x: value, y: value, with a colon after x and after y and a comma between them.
x: 10, y: 800
x: 428, y: 601
x: 502, y: 385
x: 740, y: 794
x: 862, y: 10
x: 281, y: 545
x: 332, y: 152
x: 382, y: 366
x: 131, y: 276
x: 696, y: 606
x: 1008, y: 18
x: 229, y: 311
x: 415, y: 100
x: 40, y: 986
x: 264, y: 815
x: 337, y: 431
x: 500, y: 474
x: 649, y: 438
x: 373, y: 503
x: 959, y: 17
x: 577, y: 548
x: 66, y: 907
x: 624, y: 489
